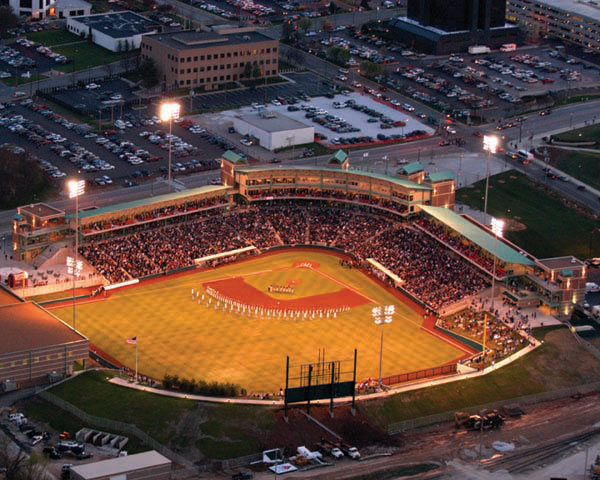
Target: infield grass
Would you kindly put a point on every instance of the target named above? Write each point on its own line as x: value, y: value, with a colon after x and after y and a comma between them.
x: 178, y: 336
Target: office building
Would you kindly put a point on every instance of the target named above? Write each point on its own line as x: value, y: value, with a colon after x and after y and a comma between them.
x: 571, y: 21
x: 440, y: 26
x: 205, y: 60
x: 36, y: 9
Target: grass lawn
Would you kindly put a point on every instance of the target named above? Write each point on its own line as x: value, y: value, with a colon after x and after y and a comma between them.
x: 13, y: 81
x: 51, y: 38
x: 176, y: 335
x: 218, y: 431
x: 559, y: 363
x: 585, y: 134
x: 86, y: 55
x: 317, y: 148
x: 584, y: 166
x: 552, y: 228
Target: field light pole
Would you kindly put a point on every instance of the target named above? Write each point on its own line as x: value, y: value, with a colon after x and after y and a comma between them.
x: 74, y: 267
x: 498, y: 230
x: 490, y: 145
x: 169, y: 111
x: 382, y: 315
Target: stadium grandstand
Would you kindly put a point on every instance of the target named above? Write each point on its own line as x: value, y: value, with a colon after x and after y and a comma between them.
x: 403, y: 223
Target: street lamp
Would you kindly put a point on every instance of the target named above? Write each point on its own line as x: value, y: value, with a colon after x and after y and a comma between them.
x: 497, y: 230
x: 169, y: 111
x: 76, y: 189
x: 490, y: 145
x: 382, y: 315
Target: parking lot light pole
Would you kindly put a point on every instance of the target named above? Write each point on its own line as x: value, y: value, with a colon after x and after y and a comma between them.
x: 490, y: 145
x: 169, y: 111
x: 76, y: 189
x: 382, y: 315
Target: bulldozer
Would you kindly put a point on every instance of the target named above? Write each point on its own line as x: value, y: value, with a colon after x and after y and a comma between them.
x: 488, y: 421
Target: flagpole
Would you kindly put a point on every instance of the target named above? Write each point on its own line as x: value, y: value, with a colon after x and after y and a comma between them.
x: 136, y: 361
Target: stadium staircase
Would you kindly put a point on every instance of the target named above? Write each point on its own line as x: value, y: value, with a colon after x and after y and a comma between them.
x: 53, y: 255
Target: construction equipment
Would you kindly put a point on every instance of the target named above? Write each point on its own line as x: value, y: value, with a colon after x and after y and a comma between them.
x: 491, y: 420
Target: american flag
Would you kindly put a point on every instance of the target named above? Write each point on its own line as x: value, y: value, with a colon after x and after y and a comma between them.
x: 131, y: 341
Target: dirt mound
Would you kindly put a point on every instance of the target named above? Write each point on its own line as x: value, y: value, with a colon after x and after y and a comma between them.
x: 299, y: 430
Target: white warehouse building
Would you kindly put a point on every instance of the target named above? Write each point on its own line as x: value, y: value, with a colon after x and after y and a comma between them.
x: 274, y: 130
x: 117, y: 32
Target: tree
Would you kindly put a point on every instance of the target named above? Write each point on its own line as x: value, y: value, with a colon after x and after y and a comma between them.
x: 256, y: 73
x: 22, y: 181
x: 370, y: 69
x: 365, y: 5
x: 164, y: 7
x: 304, y: 24
x: 149, y: 73
x: 333, y: 8
x: 338, y: 54
x: 120, y: 46
x: 8, y: 19
x: 149, y: 4
x: 328, y: 28
x: 248, y: 70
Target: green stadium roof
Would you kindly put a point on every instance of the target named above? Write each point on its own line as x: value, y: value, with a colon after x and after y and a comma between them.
x: 397, y: 181
x: 444, y: 176
x: 148, y: 201
x: 338, y: 157
x: 477, y: 235
x: 411, y: 168
x: 234, y: 158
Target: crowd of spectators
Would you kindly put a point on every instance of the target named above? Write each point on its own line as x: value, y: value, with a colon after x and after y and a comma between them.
x: 429, y: 270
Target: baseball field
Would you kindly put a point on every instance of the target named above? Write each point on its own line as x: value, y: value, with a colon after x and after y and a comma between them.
x: 242, y: 320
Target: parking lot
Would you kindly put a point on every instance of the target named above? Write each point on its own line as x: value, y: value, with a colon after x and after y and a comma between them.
x: 300, y: 82
x: 491, y: 83
x: 118, y: 156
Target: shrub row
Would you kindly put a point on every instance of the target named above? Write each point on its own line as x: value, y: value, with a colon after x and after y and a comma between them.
x: 201, y: 387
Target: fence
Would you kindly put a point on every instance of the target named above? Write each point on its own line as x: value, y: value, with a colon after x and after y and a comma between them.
x: 122, y: 427
x: 398, y: 427
x: 418, y: 374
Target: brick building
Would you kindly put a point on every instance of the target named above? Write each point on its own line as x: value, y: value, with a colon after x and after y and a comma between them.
x: 35, y: 345
x: 205, y: 60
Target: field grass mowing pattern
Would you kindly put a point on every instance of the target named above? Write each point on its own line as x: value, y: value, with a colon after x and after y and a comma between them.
x: 178, y: 336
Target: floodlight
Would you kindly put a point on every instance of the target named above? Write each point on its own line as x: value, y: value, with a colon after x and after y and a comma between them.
x: 497, y: 227
x: 76, y: 188
x: 490, y: 143
x: 169, y: 111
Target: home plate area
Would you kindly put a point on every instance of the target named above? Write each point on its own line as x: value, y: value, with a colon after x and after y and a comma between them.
x: 298, y: 291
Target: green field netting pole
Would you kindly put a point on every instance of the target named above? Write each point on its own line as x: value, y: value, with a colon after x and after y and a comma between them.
x: 287, y: 378
x: 310, y: 369
x: 332, y: 380
x: 354, y: 386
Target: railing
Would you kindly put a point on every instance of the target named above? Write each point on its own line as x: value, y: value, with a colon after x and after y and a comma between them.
x: 419, y: 374
x: 404, y: 425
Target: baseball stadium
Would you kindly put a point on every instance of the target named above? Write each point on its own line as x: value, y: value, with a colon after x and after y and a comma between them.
x: 223, y: 283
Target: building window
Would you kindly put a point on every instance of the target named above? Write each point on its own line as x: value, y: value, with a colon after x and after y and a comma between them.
x: 262, y: 62
x: 241, y: 64
x: 235, y: 65
x: 189, y: 59
x: 221, y: 78
x: 228, y: 54
x: 268, y: 50
x: 235, y: 54
x: 208, y: 57
x: 189, y: 70
x: 222, y: 67
x: 195, y: 69
x: 208, y: 68
x: 201, y: 69
x: 274, y: 49
x: 188, y: 82
x: 262, y: 50
x: 195, y: 59
x: 181, y: 82
x: 215, y: 79
x: 25, y: 4
x: 201, y: 80
x: 228, y: 66
x: 201, y: 57
x: 228, y: 77
x: 195, y: 81
x: 222, y: 55
x: 268, y: 61
x: 235, y: 76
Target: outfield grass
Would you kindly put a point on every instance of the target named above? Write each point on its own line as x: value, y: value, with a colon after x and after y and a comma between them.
x: 584, y: 166
x: 178, y: 336
x: 87, y: 55
x: 585, y: 134
x: 552, y: 228
x: 51, y: 38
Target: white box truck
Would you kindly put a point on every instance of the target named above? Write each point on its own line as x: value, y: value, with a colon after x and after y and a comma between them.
x: 508, y: 47
x: 479, y: 49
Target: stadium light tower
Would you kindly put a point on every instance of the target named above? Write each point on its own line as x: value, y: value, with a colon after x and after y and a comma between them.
x: 169, y: 111
x: 490, y: 145
x: 382, y: 315
x: 498, y: 230
x: 76, y: 189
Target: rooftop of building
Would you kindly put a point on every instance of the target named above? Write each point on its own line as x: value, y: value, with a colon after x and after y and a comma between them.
x: 270, y: 121
x: 27, y: 326
x: 120, y: 465
x: 191, y: 39
x: 477, y: 235
x: 411, y: 168
x: 61, y: 4
x: 41, y: 210
x: 118, y: 24
x: 587, y: 8
x: 157, y: 200
x: 560, y: 263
